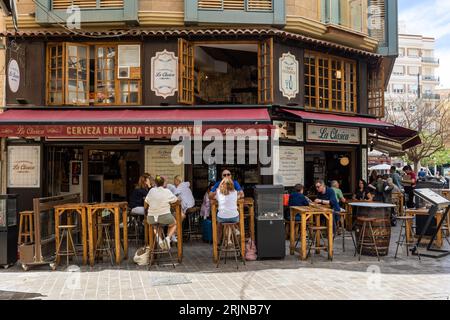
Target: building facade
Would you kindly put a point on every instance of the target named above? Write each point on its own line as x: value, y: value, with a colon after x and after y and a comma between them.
x: 414, y: 73
x: 99, y: 89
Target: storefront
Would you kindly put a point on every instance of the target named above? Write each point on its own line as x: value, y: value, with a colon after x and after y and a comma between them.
x: 88, y: 115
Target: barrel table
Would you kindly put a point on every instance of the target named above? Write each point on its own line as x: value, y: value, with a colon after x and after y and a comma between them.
x: 381, y: 226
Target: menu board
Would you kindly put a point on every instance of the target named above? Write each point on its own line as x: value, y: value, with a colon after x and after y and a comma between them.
x: 290, y: 167
x: 24, y: 170
x: 159, y: 161
x: 431, y: 196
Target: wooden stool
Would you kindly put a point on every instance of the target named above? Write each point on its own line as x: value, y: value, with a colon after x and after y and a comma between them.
x: 155, y: 248
x: 104, y: 241
x: 315, y: 232
x: 193, y: 223
x: 402, y: 240
x: 230, y: 243
x: 70, y: 246
x: 25, y: 227
x: 367, y: 222
x: 343, y: 229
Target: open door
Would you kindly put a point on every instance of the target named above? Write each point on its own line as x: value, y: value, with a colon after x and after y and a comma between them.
x: 265, y: 71
x: 186, y: 67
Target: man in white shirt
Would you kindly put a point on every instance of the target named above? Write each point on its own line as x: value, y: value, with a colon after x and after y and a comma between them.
x: 183, y: 192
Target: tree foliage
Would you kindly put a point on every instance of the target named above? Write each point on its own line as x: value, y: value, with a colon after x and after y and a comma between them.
x: 431, y: 120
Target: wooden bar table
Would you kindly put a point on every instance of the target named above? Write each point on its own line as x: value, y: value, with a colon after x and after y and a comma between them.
x: 446, y: 194
x: 176, y: 206
x: 79, y: 208
x: 114, y: 208
x: 306, y: 213
x: 214, y: 228
x: 250, y: 204
x: 439, y: 242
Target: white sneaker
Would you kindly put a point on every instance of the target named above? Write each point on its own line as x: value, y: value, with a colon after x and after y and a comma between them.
x: 236, y: 232
x: 161, y: 243
x: 167, y: 243
x: 174, y: 238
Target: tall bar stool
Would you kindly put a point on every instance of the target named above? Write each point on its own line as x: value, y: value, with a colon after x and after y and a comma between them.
x: 66, y: 232
x: 342, y: 228
x: 230, y: 244
x: 155, y: 248
x: 25, y: 227
x: 193, y: 223
x: 402, y: 240
x: 367, y: 224
x: 104, y: 242
x: 315, y: 232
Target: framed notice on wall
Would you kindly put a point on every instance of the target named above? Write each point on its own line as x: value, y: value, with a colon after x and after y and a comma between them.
x: 164, y: 160
x: 290, y: 167
x: 24, y: 167
x: 364, y: 164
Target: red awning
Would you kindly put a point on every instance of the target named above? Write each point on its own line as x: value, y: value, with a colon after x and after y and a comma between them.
x: 27, y: 116
x: 407, y: 138
x: 338, y: 119
x: 124, y: 122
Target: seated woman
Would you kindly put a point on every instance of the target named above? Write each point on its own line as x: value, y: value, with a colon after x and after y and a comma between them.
x: 206, y: 204
x: 138, y: 195
x: 362, y: 192
x: 227, y: 198
x: 159, y: 200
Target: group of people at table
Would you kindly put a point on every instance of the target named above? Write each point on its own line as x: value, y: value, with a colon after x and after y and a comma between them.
x: 379, y: 189
x: 155, y: 195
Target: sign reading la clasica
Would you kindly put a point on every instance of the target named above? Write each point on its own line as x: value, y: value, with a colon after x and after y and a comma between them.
x: 13, y: 75
x: 24, y: 166
x: 165, y: 74
x: 289, y: 75
x: 328, y: 134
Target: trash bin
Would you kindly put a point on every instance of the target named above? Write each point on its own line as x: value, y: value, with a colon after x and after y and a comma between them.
x: 8, y: 229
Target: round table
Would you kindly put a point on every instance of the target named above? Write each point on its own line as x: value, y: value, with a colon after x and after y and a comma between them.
x: 381, y: 226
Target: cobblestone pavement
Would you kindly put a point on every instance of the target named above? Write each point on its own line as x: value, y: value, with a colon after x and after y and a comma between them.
x: 197, y: 278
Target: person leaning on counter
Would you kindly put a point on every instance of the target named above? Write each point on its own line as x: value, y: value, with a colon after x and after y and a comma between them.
x: 327, y: 196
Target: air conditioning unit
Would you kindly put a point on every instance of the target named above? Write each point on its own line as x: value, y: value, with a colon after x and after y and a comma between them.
x: 124, y: 72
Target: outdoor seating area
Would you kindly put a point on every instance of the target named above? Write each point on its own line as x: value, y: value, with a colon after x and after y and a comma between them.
x: 98, y: 233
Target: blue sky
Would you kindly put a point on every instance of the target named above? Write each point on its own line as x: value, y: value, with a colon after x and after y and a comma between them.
x: 430, y: 18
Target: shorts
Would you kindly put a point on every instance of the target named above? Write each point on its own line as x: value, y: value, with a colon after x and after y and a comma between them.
x: 228, y: 220
x: 164, y: 219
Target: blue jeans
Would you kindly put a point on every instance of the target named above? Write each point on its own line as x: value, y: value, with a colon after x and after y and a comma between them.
x: 228, y: 220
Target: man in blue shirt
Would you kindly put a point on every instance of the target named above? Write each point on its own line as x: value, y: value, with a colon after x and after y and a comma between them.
x: 327, y: 196
x: 227, y: 174
x: 296, y: 199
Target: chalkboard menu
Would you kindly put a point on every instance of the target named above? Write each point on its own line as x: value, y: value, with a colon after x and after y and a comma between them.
x: 159, y: 161
x: 432, y: 197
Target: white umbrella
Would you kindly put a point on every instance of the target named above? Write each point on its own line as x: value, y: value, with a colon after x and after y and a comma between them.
x: 381, y: 167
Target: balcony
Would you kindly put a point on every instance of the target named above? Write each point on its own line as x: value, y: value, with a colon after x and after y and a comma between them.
x: 431, y: 96
x: 431, y: 78
x: 265, y: 12
x: 91, y: 11
x: 430, y: 60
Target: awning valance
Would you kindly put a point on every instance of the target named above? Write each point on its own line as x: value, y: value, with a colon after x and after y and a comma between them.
x: 124, y: 122
x: 327, y: 118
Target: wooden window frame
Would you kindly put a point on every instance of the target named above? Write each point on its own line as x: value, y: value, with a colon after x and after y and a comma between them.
x: 60, y: 47
x: 77, y: 79
x: 322, y: 82
x: 117, y: 81
x: 375, y: 91
x: 265, y: 70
